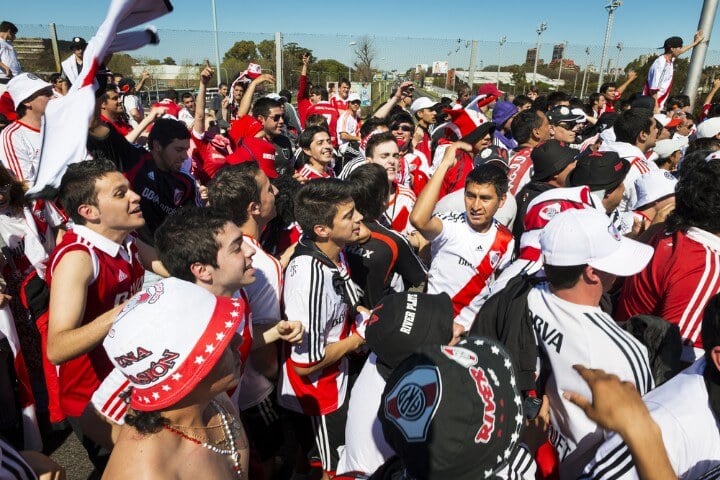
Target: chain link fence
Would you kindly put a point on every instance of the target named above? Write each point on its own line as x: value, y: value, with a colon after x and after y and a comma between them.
x: 388, y: 58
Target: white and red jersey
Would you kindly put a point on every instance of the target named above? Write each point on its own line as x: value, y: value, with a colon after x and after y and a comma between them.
x: 331, y: 115
x: 308, y: 172
x: 117, y: 275
x: 264, y: 296
x: 309, y: 295
x: 20, y: 146
x: 683, y: 274
x: 659, y: 79
x: 520, y: 170
x: 347, y: 123
x: 399, y: 208
x: 569, y: 334
x: 464, y: 263
x: 639, y: 165
x: 339, y: 103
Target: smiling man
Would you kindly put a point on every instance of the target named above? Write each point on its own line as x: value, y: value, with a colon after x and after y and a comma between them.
x: 316, y: 144
x: 468, y: 247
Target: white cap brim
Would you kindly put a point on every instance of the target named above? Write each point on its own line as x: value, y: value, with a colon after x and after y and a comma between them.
x: 630, y: 258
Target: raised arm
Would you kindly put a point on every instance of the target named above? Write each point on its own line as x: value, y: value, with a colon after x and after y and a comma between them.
x: 199, y: 122
x: 630, y: 77
x: 422, y: 214
x: 384, y: 111
x: 696, y: 39
x: 141, y: 83
x: 155, y: 113
x: 302, y: 88
x: 246, y: 101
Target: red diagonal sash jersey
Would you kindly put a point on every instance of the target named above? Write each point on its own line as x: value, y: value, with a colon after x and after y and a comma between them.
x: 464, y: 263
x: 477, y: 283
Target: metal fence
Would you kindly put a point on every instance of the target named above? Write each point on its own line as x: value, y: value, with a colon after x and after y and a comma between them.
x: 391, y: 55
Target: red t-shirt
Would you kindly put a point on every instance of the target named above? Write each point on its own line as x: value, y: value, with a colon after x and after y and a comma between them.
x: 683, y: 274
x: 331, y: 115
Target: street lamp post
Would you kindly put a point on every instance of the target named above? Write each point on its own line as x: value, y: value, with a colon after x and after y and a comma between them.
x: 619, y: 47
x: 587, y: 61
x: 502, y: 42
x: 350, y: 45
x: 611, y: 7
x: 217, y: 48
x: 540, y: 30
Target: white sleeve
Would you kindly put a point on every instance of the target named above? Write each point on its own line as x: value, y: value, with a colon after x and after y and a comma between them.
x: 655, y: 74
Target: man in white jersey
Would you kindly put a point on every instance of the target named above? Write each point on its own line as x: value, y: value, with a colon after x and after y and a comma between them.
x: 9, y: 65
x: 467, y: 248
x: 21, y: 141
x: 685, y: 409
x: 583, y: 255
x: 635, y: 134
x: 660, y: 76
x: 318, y: 291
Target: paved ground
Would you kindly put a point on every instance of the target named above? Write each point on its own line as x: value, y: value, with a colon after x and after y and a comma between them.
x: 66, y: 450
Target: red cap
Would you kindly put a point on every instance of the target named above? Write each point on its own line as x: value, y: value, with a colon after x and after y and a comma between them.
x: 247, y: 126
x: 489, y: 89
x: 255, y: 149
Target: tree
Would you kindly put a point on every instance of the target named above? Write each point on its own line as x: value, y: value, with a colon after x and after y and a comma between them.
x: 153, y: 61
x: 244, y: 51
x: 327, y: 70
x: 365, y: 54
x: 169, y: 61
x: 122, y: 63
x: 292, y: 63
x: 266, y: 49
x: 518, y: 77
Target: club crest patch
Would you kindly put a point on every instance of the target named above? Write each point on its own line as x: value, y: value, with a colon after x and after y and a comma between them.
x: 412, y: 403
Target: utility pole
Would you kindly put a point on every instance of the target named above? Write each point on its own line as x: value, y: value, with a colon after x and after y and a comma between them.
x: 278, y: 61
x: 502, y: 42
x: 471, y: 72
x: 587, y: 61
x: 217, y: 48
x: 614, y: 5
x: 540, y: 30
x: 350, y: 45
x: 707, y: 18
x: 619, y: 47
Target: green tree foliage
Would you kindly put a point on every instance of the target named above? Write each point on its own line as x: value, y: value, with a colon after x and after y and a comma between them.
x: 122, y: 63
x: 169, y: 61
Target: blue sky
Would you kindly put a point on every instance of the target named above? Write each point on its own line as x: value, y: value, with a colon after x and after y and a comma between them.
x: 328, y: 27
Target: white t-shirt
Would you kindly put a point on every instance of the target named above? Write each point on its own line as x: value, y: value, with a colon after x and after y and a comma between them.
x: 456, y: 253
x: 689, y: 431
x: 264, y: 300
x: 365, y: 446
x: 309, y: 296
x: 349, y: 124
x: 9, y: 58
x: 570, y: 334
x: 659, y: 79
x: 20, y: 147
x: 130, y: 103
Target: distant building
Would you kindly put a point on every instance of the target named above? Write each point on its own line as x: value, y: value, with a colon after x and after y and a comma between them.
x: 530, y: 56
x: 568, y: 64
x: 558, y: 53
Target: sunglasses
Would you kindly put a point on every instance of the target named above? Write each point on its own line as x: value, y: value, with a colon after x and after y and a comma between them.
x: 404, y: 128
x: 355, y: 102
x: 276, y: 117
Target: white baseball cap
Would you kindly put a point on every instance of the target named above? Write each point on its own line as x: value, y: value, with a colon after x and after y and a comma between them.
x: 653, y: 186
x: 588, y: 236
x: 709, y: 128
x: 665, y: 148
x: 25, y: 86
x: 353, y: 97
x: 421, y: 103
x: 168, y: 337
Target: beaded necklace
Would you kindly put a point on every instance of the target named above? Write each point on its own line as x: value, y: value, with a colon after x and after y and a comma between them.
x: 229, y: 439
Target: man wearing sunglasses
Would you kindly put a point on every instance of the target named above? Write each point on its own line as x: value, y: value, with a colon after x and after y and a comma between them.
x: 269, y: 112
x: 562, y: 124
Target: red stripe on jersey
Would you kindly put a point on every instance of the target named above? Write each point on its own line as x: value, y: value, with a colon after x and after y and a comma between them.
x: 539, y: 215
x: 640, y: 165
x: 13, y: 162
x: 464, y: 297
x: 393, y: 250
x: 691, y: 320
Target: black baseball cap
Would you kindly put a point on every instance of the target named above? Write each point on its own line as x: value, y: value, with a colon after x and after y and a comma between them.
x: 599, y: 171
x: 77, y: 42
x: 476, y: 135
x: 126, y: 84
x: 402, y: 322
x: 550, y: 158
x: 673, y: 42
x: 453, y: 412
x: 494, y: 155
x: 560, y: 114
